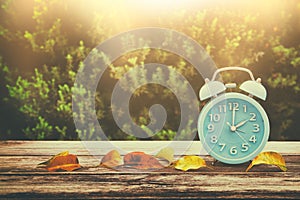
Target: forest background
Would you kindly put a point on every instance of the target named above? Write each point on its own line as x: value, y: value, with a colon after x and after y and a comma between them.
x: 43, y: 44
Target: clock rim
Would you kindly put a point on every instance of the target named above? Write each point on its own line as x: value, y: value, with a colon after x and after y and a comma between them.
x: 203, y: 115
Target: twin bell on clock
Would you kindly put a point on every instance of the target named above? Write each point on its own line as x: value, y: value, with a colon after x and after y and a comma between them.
x: 233, y: 127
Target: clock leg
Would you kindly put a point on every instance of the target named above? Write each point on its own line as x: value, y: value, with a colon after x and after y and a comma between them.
x: 214, y: 162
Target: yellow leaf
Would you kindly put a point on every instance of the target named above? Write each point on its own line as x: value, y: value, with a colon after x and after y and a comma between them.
x: 189, y: 162
x: 269, y: 158
x: 111, y: 159
x: 64, y: 153
x: 166, y: 153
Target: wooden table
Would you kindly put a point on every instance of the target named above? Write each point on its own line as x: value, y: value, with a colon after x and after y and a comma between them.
x: 20, y: 177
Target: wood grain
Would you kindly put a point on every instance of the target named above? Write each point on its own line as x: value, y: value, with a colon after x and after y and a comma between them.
x: 20, y: 178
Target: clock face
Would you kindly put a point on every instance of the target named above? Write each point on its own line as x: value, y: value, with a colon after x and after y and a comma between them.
x: 233, y: 128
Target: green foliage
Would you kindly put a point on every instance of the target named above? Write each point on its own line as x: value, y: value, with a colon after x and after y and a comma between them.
x: 285, y: 80
x: 51, y: 39
x: 46, y: 102
x: 41, y: 131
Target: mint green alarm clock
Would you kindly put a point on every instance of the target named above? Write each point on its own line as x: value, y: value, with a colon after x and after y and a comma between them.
x: 233, y: 127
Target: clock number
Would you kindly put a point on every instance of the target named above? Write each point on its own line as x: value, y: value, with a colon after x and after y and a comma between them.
x: 233, y: 150
x: 214, y: 139
x: 245, y: 147
x: 210, y: 127
x: 222, y: 146
x: 252, y: 139
x: 253, y: 117
x: 256, y: 128
x: 234, y: 106
x: 222, y: 108
x: 245, y: 108
x: 214, y: 117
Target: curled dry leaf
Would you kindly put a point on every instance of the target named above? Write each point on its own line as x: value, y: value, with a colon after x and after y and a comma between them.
x: 140, y: 160
x: 166, y: 153
x: 64, y: 153
x: 269, y: 158
x: 111, y: 159
x: 64, y: 167
x: 62, y: 161
x: 189, y: 162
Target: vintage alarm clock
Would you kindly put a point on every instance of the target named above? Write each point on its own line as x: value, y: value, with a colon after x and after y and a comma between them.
x: 233, y: 127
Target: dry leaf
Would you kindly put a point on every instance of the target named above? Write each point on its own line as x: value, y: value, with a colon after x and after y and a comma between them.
x: 65, y: 167
x: 270, y: 158
x: 166, y: 153
x: 189, y: 162
x: 111, y: 159
x: 140, y: 160
x: 53, y: 157
x: 62, y: 161
x: 67, y: 163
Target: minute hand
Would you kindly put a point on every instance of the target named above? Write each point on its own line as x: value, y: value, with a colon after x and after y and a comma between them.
x: 233, y: 117
x: 241, y: 123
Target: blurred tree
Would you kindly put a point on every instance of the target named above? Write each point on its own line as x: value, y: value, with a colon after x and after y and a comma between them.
x: 44, y: 43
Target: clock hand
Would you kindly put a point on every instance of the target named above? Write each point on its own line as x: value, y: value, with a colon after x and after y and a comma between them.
x: 241, y: 123
x: 232, y: 128
x: 239, y: 130
x: 233, y: 116
x: 242, y: 137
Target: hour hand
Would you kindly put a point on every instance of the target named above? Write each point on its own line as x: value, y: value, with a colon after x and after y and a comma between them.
x: 242, y: 123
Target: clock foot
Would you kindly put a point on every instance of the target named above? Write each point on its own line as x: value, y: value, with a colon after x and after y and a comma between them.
x: 214, y: 162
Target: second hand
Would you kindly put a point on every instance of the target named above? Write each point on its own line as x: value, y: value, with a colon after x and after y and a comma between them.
x: 242, y: 137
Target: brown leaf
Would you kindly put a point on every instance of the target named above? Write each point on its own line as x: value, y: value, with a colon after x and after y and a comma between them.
x: 111, y: 159
x: 140, y: 160
x: 269, y: 158
x: 189, y: 162
x: 62, y: 161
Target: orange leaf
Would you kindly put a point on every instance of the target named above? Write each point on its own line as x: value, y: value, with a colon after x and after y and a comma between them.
x: 269, y: 158
x: 65, y: 167
x: 64, y: 153
x: 189, y: 162
x: 140, y: 160
x: 62, y: 161
x: 111, y: 159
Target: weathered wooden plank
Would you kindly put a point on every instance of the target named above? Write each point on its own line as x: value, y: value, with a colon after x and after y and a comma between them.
x: 19, y: 177
x: 90, y: 164
x: 168, y: 185
x: 101, y: 148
